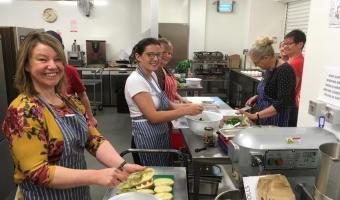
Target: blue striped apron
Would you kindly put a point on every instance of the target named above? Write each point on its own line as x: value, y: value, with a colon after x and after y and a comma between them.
x: 152, y: 136
x: 75, y: 131
x: 263, y: 101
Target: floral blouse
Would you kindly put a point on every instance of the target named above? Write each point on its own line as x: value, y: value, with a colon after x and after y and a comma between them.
x: 36, y: 141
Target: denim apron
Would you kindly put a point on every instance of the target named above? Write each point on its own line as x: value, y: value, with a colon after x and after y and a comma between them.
x: 148, y: 135
x: 75, y: 131
x: 263, y: 101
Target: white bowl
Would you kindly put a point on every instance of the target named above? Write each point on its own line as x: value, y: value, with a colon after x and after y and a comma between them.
x: 134, y: 195
x: 193, y: 82
x: 209, y: 119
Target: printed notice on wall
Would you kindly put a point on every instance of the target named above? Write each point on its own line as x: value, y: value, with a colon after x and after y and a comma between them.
x: 334, y: 14
x: 330, y: 86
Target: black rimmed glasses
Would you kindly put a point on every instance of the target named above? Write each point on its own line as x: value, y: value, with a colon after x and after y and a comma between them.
x: 153, y: 55
x: 287, y: 43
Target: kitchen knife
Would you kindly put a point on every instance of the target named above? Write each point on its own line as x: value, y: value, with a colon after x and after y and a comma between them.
x: 245, y: 108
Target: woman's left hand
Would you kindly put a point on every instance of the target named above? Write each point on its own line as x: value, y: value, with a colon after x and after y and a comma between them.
x: 252, y: 117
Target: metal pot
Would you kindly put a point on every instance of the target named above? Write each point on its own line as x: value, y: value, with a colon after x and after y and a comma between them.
x: 229, y: 195
x: 328, y: 181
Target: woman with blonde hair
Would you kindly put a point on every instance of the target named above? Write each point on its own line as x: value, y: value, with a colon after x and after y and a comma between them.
x: 48, y: 131
x: 275, y: 99
x: 166, y: 80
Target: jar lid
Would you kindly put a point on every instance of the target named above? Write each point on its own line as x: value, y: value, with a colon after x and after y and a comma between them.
x: 208, y: 128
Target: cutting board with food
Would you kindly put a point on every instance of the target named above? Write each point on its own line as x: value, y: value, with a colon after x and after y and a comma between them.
x: 147, y: 181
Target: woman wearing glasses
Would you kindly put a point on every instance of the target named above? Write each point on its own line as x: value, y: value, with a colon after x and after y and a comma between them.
x: 275, y: 99
x: 149, y: 107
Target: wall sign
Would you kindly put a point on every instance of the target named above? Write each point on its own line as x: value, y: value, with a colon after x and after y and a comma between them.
x: 334, y: 14
x: 330, y: 86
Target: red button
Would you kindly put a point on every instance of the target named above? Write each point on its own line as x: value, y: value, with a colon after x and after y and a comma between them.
x: 279, y: 162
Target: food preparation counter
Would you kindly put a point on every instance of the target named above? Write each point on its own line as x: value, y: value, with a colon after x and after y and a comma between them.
x: 106, y: 71
x: 180, y: 189
x: 209, y: 155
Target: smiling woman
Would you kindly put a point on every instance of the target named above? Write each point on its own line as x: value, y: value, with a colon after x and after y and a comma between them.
x: 48, y: 131
x: 149, y: 106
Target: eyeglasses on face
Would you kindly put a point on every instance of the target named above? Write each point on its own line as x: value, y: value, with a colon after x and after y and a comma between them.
x: 153, y: 55
x: 287, y: 43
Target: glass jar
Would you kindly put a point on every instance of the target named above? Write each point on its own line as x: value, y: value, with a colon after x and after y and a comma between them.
x: 208, y: 137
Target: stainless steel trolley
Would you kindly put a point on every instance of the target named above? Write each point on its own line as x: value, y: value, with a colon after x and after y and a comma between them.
x: 93, y: 78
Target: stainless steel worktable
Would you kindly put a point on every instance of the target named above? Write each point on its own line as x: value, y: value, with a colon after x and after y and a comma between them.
x: 180, y: 188
x: 212, y: 155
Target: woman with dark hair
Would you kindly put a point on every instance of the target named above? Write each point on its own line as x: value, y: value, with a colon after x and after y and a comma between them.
x: 275, y: 99
x: 149, y: 107
x: 48, y: 131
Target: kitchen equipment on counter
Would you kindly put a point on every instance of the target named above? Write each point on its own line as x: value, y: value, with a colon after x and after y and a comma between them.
x: 291, y: 151
x: 327, y: 185
x: 96, y: 53
x: 193, y: 82
x: 75, y: 56
x: 197, y: 123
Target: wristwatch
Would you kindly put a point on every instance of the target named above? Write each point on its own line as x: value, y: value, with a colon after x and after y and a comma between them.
x: 120, y: 167
x: 257, y: 115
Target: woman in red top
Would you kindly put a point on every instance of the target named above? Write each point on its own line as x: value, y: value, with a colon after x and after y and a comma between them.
x: 166, y: 80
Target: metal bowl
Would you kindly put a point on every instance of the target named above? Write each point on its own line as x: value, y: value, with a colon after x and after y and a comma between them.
x: 229, y: 195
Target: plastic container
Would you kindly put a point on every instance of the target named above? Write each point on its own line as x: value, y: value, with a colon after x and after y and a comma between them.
x: 193, y: 82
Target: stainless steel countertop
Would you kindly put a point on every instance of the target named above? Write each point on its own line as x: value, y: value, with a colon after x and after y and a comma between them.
x: 107, y: 68
x: 180, y: 188
x: 212, y: 154
x: 106, y: 71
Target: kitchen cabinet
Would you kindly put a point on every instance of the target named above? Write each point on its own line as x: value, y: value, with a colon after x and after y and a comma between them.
x: 241, y: 87
x: 113, y: 83
x: 119, y: 81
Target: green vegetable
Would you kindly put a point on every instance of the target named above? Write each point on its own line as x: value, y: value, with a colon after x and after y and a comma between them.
x: 183, y: 66
x: 233, y: 120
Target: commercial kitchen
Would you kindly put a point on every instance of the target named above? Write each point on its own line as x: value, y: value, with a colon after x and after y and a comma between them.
x: 214, y: 37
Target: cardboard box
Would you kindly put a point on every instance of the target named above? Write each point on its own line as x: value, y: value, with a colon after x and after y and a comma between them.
x: 234, y: 61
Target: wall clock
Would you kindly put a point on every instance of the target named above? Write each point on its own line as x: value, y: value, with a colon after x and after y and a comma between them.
x: 50, y: 15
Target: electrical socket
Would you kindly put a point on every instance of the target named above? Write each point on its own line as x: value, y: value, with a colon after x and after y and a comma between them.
x: 332, y: 114
x: 316, y: 108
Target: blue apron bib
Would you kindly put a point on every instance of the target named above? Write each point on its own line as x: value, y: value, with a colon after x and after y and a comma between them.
x: 152, y: 136
x: 75, y: 131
